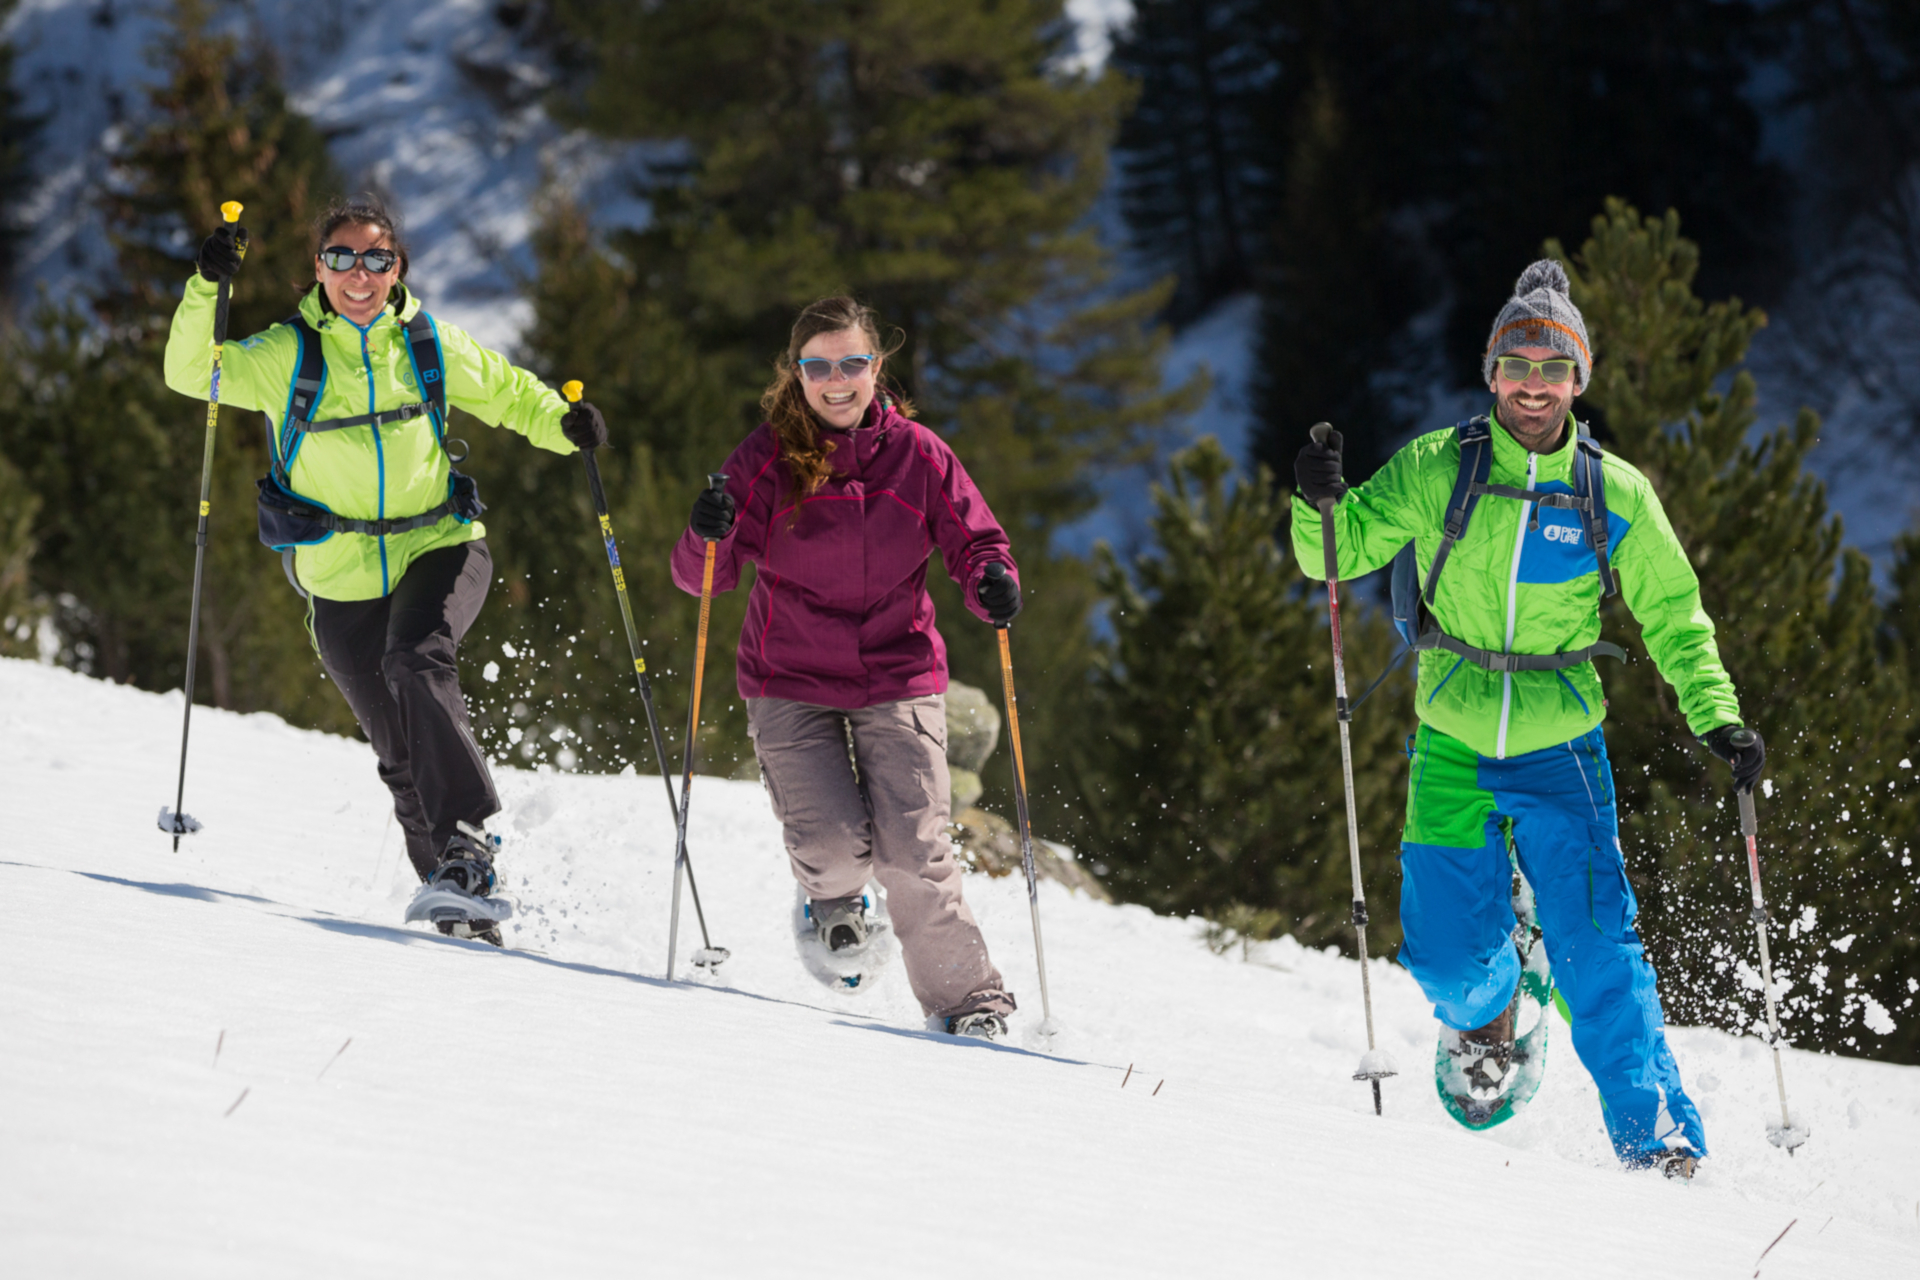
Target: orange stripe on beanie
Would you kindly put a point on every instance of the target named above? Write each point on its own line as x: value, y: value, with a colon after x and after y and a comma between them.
x: 1541, y: 314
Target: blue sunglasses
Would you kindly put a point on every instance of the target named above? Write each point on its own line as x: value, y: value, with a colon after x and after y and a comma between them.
x: 819, y: 368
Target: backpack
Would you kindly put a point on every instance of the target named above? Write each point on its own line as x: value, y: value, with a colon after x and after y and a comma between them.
x: 1413, y: 600
x: 289, y: 520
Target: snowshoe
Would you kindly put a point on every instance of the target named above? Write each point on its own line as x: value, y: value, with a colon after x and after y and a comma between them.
x: 1486, y: 1076
x: 487, y: 933
x: 460, y: 889
x: 844, y: 944
x: 980, y: 1024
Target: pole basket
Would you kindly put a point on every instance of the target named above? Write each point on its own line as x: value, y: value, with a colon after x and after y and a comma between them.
x: 178, y: 824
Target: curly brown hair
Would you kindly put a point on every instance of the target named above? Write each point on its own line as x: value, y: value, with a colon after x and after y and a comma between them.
x: 803, y: 446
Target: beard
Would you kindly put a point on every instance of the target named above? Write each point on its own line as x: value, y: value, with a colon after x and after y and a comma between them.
x: 1538, y: 429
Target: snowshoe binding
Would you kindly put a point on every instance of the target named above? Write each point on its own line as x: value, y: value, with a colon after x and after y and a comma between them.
x: 459, y: 894
x: 1487, y: 1075
x: 844, y: 942
x: 981, y: 1025
x: 1677, y: 1163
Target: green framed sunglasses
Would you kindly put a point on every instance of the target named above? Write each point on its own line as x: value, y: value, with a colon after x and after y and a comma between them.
x: 1519, y: 369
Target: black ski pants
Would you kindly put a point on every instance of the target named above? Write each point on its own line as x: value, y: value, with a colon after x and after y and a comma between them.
x: 393, y: 659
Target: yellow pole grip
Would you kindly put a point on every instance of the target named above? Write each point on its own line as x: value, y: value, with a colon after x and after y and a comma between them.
x: 231, y: 210
x: 573, y: 391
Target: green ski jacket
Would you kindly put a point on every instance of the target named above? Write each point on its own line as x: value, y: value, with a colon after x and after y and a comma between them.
x: 1514, y: 588
x: 397, y: 471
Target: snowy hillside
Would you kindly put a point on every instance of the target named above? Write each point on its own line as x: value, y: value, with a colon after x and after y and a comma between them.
x: 235, y: 1061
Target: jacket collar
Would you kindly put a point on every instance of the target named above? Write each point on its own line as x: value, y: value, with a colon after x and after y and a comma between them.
x: 318, y: 314
x: 1509, y: 455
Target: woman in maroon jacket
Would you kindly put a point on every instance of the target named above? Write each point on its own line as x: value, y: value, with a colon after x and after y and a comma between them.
x: 840, y: 499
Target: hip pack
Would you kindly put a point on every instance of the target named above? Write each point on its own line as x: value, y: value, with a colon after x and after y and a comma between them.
x: 289, y: 519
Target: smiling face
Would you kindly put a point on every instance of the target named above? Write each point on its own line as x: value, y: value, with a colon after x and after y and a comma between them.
x: 840, y: 402
x: 1534, y: 412
x: 358, y: 294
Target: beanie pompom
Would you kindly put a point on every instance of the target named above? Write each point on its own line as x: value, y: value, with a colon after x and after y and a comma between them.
x: 1544, y: 274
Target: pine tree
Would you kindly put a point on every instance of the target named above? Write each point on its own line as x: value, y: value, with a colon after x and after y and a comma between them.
x: 1416, y: 153
x: 17, y: 131
x: 1192, y: 185
x: 1363, y: 141
x: 1570, y: 101
x: 1220, y: 790
x: 115, y: 454
x: 934, y: 160
x: 21, y: 607
x: 1804, y: 637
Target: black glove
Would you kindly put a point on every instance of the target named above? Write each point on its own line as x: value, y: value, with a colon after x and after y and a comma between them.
x: 220, y: 252
x: 1741, y: 748
x: 1316, y: 472
x: 583, y: 425
x: 999, y: 595
x: 712, y: 514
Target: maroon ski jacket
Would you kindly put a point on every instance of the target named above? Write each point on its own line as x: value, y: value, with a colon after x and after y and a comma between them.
x: 839, y: 613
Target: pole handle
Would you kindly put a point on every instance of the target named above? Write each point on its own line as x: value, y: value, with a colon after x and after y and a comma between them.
x: 1319, y: 433
x: 231, y: 209
x: 573, y: 390
x: 716, y: 481
x: 998, y: 570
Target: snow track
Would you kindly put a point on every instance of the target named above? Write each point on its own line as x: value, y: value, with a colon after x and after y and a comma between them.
x: 567, y: 1112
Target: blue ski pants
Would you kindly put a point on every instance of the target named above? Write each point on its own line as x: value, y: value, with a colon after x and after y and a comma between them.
x: 1557, y: 805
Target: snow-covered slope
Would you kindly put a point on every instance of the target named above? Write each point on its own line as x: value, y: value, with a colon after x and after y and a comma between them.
x: 233, y: 1059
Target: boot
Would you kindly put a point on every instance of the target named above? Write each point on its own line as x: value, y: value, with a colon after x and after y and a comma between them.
x: 1678, y: 1163
x: 980, y: 1024
x: 466, y: 863
x: 841, y: 926
x: 1486, y: 1053
x: 460, y: 889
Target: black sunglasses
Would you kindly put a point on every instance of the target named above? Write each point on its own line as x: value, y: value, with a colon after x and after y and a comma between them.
x: 340, y: 258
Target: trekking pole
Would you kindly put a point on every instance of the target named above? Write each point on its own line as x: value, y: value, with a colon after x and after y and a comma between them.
x: 1375, y: 1066
x: 998, y: 570
x: 715, y: 480
x: 1786, y: 1136
x: 173, y: 821
x: 708, y: 956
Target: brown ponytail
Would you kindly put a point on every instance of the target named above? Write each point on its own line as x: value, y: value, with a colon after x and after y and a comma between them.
x: 803, y: 447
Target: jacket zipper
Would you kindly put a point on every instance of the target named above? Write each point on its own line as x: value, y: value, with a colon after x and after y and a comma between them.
x: 379, y: 453
x: 1513, y: 600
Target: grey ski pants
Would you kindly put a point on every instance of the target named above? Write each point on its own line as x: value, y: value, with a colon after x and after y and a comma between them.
x: 393, y: 659
x: 879, y: 812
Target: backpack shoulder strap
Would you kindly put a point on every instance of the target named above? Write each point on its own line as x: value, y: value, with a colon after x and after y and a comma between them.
x: 429, y: 367
x: 303, y: 396
x: 1476, y: 465
x: 1590, y: 482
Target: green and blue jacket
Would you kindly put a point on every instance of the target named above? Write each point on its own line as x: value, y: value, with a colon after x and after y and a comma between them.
x: 1512, y: 585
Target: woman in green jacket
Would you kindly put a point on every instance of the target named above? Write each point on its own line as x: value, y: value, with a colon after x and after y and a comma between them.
x: 381, y: 531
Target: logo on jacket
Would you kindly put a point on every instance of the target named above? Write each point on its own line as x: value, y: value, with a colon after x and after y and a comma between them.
x: 1567, y: 533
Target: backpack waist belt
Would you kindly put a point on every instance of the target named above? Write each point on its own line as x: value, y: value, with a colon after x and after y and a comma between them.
x: 284, y: 504
x: 1505, y: 662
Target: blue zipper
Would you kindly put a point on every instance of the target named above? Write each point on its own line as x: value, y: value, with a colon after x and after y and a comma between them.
x: 379, y: 453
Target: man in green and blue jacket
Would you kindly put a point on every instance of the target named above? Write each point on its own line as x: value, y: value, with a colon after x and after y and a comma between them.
x: 1505, y: 753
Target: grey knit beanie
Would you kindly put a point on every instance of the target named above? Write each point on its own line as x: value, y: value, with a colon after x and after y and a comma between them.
x: 1541, y: 314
